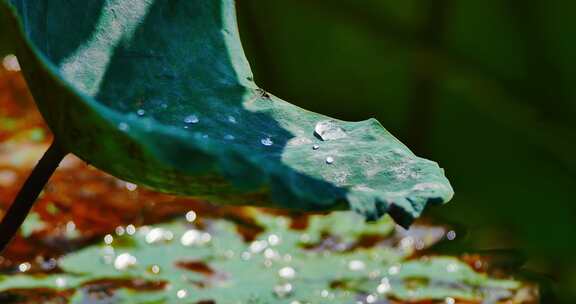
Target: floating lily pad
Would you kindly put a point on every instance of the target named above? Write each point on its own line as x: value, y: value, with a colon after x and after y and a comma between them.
x: 181, y: 261
x: 159, y: 93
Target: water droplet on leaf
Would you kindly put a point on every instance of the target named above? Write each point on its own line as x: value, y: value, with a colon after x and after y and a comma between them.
x: 10, y: 63
x: 371, y: 299
x: 108, y: 239
x: 191, y: 216
x: 384, y: 286
x: 155, y: 269
x: 181, y: 294
x: 283, y: 290
x: 61, y: 282
x: 123, y: 127
x: 287, y: 273
x: 273, y: 240
x: 130, y: 229
x: 119, y: 230
x: 267, y: 141
x: 131, y: 187
x: 24, y: 267
x: 125, y: 261
x: 329, y: 130
x: 394, y: 270
x: 356, y: 265
x: 191, y: 119
x: 195, y: 237
x: 258, y: 246
x: 158, y: 235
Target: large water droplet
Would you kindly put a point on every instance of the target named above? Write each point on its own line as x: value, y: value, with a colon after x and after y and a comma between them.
x: 287, y: 273
x: 191, y: 119
x: 267, y: 141
x: 191, y: 216
x: 329, y: 130
x: 125, y: 261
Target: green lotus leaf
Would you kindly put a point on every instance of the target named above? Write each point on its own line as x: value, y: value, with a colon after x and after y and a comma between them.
x: 277, y: 267
x: 160, y: 93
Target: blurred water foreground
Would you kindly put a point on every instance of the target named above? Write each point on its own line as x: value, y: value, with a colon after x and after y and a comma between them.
x: 92, y: 238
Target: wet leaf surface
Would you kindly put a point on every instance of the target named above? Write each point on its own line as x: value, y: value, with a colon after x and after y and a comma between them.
x: 161, y: 94
x: 95, y: 239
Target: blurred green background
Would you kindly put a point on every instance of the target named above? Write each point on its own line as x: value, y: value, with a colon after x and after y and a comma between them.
x: 486, y: 88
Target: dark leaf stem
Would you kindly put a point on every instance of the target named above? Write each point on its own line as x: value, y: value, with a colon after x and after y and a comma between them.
x: 29, y: 192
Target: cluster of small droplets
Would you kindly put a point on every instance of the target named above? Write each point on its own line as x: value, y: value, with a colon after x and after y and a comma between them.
x: 158, y: 235
x: 195, y: 237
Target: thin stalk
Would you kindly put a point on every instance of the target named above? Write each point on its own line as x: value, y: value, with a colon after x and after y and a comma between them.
x: 29, y: 192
